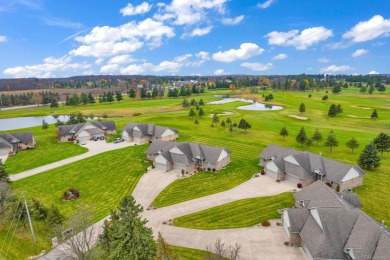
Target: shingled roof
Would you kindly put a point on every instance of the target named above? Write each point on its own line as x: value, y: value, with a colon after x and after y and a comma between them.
x: 191, y: 151
x: 333, y: 228
x: 64, y: 130
x: 305, y: 164
x: 147, y: 129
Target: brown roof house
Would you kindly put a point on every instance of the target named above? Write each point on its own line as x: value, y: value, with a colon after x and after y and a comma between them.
x: 177, y: 156
x: 12, y: 143
x: 304, y: 168
x: 85, y: 131
x: 143, y: 133
x: 330, y: 225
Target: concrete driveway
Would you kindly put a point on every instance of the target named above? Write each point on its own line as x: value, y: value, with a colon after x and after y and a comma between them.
x: 94, y: 148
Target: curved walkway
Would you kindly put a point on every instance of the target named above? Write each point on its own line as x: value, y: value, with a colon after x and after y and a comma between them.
x: 256, y: 242
x: 94, y: 148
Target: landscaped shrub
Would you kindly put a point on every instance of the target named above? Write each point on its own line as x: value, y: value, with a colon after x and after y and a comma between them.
x: 153, y: 166
x: 208, y: 169
x: 71, y: 194
x: 213, y: 170
x: 262, y: 172
x: 299, y: 185
x: 266, y: 223
x: 277, y: 180
x: 329, y: 184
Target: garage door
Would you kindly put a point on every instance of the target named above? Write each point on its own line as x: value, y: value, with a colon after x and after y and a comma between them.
x: 137, y: 140
x: 292, y: 179
x: 271, y: 173
x: 84, y: 138
x: 179, y: 167
x: 160, y: 166
x: 3, y: 151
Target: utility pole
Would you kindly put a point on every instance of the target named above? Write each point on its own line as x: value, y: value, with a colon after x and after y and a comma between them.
x: 29, y: 218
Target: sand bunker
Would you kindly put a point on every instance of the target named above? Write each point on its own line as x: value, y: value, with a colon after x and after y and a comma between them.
x: 299, y: 117
x: 223, y: 114
x: 366, y: 108
x: 365, y: 117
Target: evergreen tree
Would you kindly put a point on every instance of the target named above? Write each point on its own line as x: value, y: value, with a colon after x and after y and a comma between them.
x: 67, y: 100
x: 74, y: 100
x: 339, y: 109
x: 215, y: 119
x: 374, y: 115
x: 143, y: 93
x: 309, y: 142
x: 126, y: 235
x: 196, y: 122
x: 45, y: 125
x: 91, y: 99
x: 201, y: 102
x: 331, y: 141
x: 38, y: 211
x: 201, y: 112
x: 382, y: 142
x: 54, y: 217
x: 110, y: 97
x: 317, y: 136
x: 231, y: 128
x: 4, y: 177
x: 154, y: 92
x: 185, y: 103
x: 229, y: 121
x: 84, y: 98
x: 191, y: 113
x: 369, y: 158
x: 243, y: 124
x: 132, y: 94
x: 283, y: 132
x: 223, y: 124
x: 193, y: 102
x: 336, y: 89
x: 324, y: 98
x: 80, y: 118
x: 332, y: 111
x: 302, y: 108
x: 352, y: 144
x: 54, y: 103
x: 301, y: 137
x: 118, y: 96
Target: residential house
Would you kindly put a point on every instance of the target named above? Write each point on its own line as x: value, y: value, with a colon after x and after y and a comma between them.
x: 143, y: 133
x: 177, y: 156
x: 85, y: 131
x: 330, y: 225
x: 305, y: 168
x: 12, y: 143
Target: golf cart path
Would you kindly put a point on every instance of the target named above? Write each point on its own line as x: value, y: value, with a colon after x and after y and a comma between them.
x: 94, y: 148
x: 256, y: 242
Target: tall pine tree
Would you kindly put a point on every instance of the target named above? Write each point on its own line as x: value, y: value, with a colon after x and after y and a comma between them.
x: 369, y: 158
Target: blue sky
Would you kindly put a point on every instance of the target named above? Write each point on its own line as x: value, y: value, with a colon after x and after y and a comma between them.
x: 42, y: 38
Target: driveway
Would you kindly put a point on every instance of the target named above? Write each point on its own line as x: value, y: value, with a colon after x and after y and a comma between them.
x: 3, y: 158
x: 94, y: 148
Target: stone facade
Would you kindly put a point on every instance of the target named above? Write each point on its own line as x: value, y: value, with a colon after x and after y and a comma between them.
x: 295, y: 239
x: 308, y: 181
x: 281, y: 176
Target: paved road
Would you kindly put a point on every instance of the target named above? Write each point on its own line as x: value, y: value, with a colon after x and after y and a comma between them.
x: 256, y: 242
x: 94, y: 149
x: 28, y: 106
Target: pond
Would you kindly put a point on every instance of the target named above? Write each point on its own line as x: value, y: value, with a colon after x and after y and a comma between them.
x: 23, y: 122
x: 256, y: 106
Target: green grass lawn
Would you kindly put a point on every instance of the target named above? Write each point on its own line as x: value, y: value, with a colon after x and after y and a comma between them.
x: 237, y: 214
x: 185, y: 253
x: 47, y: 151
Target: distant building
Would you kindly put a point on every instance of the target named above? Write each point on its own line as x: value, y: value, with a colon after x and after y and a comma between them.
x: 286, y: 164
x: 12, y: 143
x: 143, y: 133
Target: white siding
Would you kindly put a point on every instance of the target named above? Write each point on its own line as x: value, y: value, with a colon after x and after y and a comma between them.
x: 160, y: 166
x: 222, y: 155
x: 4, y: 151
x: 291, y: 159
x: 286, y: 222
x: 176, y: 150
x: 167, y: 132
x: 272, y: 166
x: 125, y: 136
x: 292, y: 179
x: 350, y: 175
x: 316, y: 216
x: 160, y: 159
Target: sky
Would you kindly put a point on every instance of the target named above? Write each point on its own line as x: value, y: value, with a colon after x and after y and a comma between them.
x: 46, y: 38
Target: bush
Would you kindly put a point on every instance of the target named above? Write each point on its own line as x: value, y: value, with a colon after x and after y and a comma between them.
x: 299, y: 185
x: 262, y: 172
x: 71, y: 194
x: 153, y: 166
x: 266, y: 223
x: 328, y: 184
x: 137, y: 114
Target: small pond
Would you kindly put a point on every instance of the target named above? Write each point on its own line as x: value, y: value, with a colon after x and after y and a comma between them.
x: 23, y: 122
x: 256, y: 106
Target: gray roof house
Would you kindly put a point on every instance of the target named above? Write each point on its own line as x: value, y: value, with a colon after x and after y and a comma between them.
x: 330, y: 225
x: 177, y: 156
x: 143, y: 133
x: 85, y: 131
x: 304, y: 168
x: 12, y: 143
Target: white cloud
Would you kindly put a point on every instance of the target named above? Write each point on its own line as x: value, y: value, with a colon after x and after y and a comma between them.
x: 170, y: 66
x: 233, y: 21
x: 369, y: 30
x: 246, y: 51
x: 56, y: 21
x: 3, y: 38
x: 256, y: 66
x: 110, y: 68
x: 135, y: 69
x: 300, y: 41
x: 183, y: 58
x: 134, y: 10
x: 199, y: 32
x: 373, y: 72
x: 323, y: 60
x: 108, y: 41
x: 121, y: 59
x: 99, y: 61
x: 49, y: 66
x: 266, y: 4
x: 189, y: 12
x: 203, y: 55
x: 219, y: 72
x: 359, y: 52
x: 335, y: 69
x: 281, y: 56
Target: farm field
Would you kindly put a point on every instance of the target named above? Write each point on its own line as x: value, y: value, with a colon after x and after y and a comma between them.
x: 245, y: 148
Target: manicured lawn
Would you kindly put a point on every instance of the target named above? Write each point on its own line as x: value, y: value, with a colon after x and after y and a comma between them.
x: 237, y: 214
x: 48, y: 150
x: 186, y: 253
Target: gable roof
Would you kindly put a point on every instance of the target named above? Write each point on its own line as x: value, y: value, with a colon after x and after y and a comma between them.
x: 64, y: 130
x: 24, y: 137
x: 148, y: 129
x: 186, y: 153
x: 9, y: 138
x: 305, y: 164
x: 333, y: 228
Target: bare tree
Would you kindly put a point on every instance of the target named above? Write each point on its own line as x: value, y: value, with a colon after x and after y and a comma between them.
x: 80, y: 237
x: 220, y: 251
